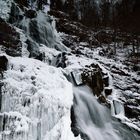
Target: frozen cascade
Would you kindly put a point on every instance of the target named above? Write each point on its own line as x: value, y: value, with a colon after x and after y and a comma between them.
x: 95, y: 120
x: 36, y: 102
x: 41, y: 30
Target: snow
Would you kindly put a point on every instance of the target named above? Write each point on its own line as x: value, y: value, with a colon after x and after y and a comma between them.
x: 41, y: 96
x: 50, y: 54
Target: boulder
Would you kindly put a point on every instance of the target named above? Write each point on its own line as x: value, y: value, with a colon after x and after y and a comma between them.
x: 76, y: 75
x: 131, y: 112
x: 106, y: 81
x: 9, y: 39
x: 31, y: 14
x: 22, y: 3
x: 108, y: 91
x: 92, y: 76
x: 3, y: 63
x: 61, y: 60
x: 102, y: 99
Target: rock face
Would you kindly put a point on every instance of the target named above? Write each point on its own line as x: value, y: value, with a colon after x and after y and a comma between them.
x: 61, y: 60
x: 131, y: 112
x: 94, y: 81
x: 10, y: 39
x: 3, y: 63
x: 31, y: 14
x: 94, y: 78
x: 108, y: 91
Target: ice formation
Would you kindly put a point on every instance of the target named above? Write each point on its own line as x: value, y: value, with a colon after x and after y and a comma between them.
x: 36, y: 102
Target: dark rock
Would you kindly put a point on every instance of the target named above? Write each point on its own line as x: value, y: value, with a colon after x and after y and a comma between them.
x: 136, y: 68
x: 102, y: 99
x: 74, y: 123
x: 132, y: 102
x: 32, y: 48
x: 40, y: 57
x: 3, y: 63
x: 15, y: 14
x: 137, y: 80
x: 118, y: 71
x: 61, y: 60
x: 101, y: 53
x: 58, y: 14
x: 3, y: 67
x: 106, y: 81
x: 10, y: 39
x: 104, y: 37
x: 33, y: 77
x: 108, y: 91
x: 131, y: 112
x: 31, y: 14
x: 27, y: 102
x: 92, y: 76
x: 22, y: 3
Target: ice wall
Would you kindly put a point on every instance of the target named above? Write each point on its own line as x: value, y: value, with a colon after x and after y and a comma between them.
x: 36, y: 102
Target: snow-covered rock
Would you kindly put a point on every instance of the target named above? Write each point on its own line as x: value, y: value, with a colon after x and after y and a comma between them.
x: 36, y: 102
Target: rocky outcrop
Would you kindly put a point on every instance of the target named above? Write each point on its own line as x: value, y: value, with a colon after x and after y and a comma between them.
x: 3, y: 63
x: 132, y: 112
x: 61, y: 60
x: 31, y: 14
x: 94, y: 78
x: 10, y: 39
x: 108, y: 91
x: 66, y: 25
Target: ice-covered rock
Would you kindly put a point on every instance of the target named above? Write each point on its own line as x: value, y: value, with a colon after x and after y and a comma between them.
x: 36, y: 102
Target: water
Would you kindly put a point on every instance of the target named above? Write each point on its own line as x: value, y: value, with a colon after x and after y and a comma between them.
x: 95, y: 120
